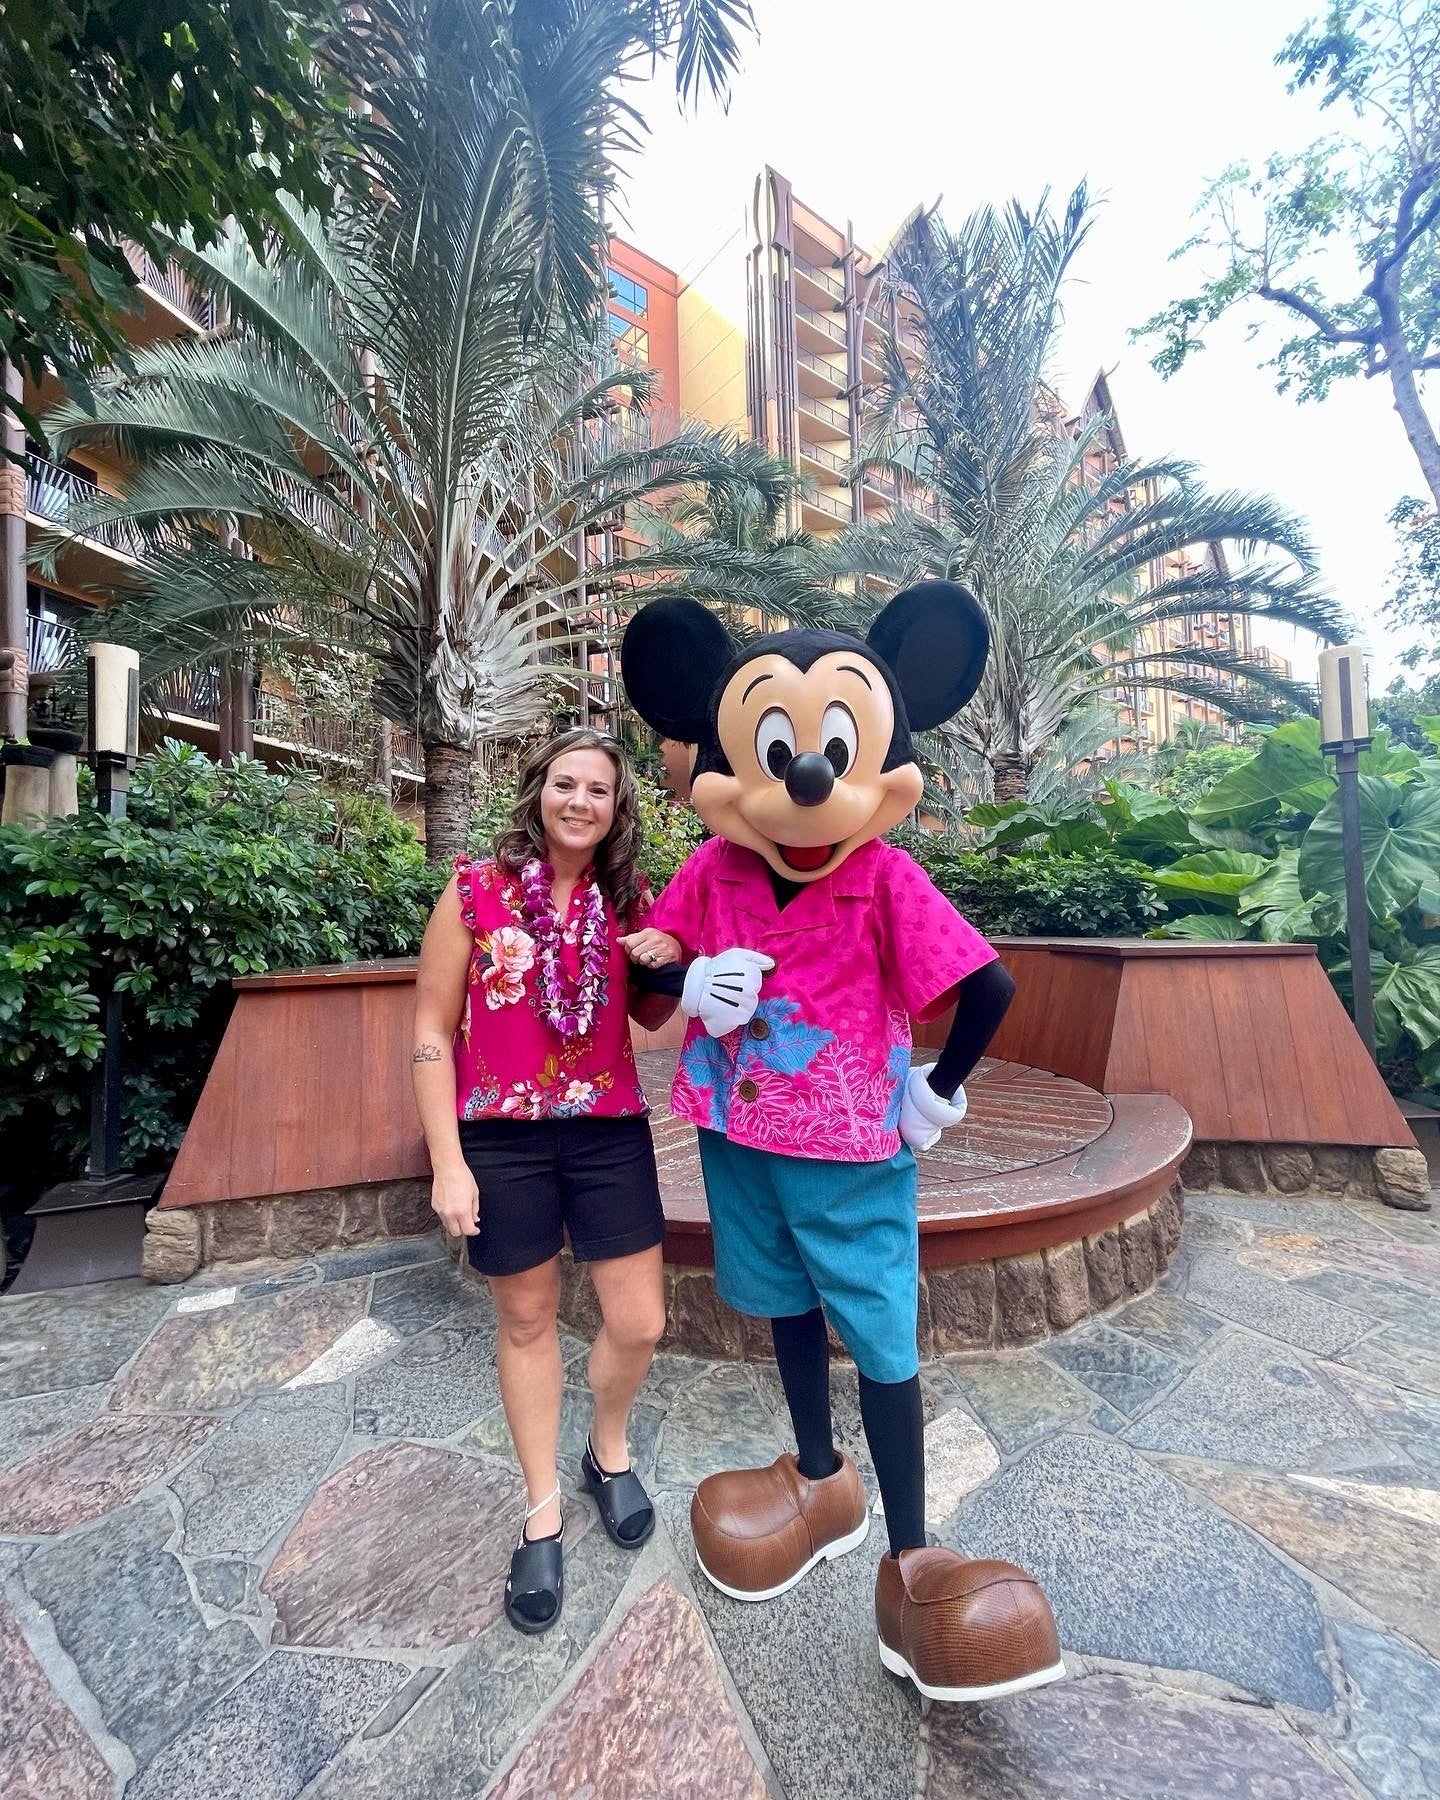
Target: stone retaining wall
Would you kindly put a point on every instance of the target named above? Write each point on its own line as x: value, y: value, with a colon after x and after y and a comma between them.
x: 973, y: 1306
x: 181, y: 1239
x: 1396, y: 1177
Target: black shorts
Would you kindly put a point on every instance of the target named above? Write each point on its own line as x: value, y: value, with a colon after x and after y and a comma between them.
x: 540, y: 1178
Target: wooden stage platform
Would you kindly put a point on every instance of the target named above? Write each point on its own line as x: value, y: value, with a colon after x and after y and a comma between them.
x: 1040, y: 1160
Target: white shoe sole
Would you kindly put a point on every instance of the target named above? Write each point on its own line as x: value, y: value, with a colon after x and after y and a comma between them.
x: 851, y: 1541
x: 897, y: 1665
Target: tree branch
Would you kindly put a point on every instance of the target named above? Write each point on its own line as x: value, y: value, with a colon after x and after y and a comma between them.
x: 1325, y: 326
x: 1408, y: 228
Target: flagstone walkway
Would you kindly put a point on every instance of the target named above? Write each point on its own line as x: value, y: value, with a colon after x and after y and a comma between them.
x: 254, y: 1531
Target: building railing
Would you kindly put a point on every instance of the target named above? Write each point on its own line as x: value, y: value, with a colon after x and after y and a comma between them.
x: 173, y: 286
x: 822, y: 365
x: 49, y: 645
x: 53, y: 493
x: 826, y: 458
x: 828, y: 504
x: 829, y: 415
x: 822, y: 321
x: 821, y: 277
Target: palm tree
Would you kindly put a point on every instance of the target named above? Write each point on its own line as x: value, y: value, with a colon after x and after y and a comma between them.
x: 406, y: 439
x: 1080, y: 559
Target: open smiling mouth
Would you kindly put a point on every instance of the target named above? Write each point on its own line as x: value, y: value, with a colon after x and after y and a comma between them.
x: 805, y: 857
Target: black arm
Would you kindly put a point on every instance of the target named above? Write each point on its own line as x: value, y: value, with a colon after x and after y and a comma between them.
x: 669, y: 978
x: 981, y: 1002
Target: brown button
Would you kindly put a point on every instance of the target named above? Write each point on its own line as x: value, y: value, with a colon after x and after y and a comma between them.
x: 759, y: 1028
x: 748, y: 1090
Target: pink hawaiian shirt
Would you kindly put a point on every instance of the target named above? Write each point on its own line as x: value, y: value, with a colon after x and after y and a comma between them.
x: 820, y: 1070
x: 510, y: 1062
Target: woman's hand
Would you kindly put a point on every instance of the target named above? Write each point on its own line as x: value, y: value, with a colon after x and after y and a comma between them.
x: 651, y: 947
x: 455, y: 1198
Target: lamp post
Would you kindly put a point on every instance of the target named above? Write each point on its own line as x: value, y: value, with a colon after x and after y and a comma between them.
x: 93, y: 1229
x: 1345, y: 730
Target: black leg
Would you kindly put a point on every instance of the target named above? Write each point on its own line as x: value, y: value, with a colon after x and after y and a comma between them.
x: 803, y: 1354
x: 894, y: 1421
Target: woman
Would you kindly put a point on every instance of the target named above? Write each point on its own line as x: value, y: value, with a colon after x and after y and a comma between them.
x: 536, y: 1123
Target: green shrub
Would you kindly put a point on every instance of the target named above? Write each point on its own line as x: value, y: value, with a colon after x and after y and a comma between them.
x: 217, y: 872
x: 1096, y: 894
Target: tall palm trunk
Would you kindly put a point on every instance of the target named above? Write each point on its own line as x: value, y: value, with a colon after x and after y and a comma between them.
x: 1012, y: 777
x: 447, y: 801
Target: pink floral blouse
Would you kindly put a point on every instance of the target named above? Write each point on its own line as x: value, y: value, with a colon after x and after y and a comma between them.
x: 510, y: 1062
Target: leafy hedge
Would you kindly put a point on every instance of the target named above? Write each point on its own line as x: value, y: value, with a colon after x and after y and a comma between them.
x: 217, y: 872
x: 1097, y: 894
x: 1259, y: 856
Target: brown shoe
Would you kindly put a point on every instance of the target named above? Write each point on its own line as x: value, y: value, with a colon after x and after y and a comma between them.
x: 757, y: 1531
x: 964, y: 1630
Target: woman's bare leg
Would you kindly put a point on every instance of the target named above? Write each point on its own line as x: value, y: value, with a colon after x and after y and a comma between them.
x: 631, y: 1292
x: 531, y: 1374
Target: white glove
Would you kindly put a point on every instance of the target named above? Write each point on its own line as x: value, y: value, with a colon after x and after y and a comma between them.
x: 722, y: 991
x: 923, y: 1114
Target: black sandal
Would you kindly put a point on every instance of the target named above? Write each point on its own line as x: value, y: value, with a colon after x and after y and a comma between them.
x: 619, y: 1499
x: 536, y: 1587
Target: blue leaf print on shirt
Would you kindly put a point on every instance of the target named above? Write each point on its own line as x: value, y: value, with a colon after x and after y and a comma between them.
x: 789, y: 1048
x: 706, y: 1063
x: 897, y: 1072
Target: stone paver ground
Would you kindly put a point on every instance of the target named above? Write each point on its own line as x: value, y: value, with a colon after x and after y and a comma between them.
x: 254, y: 1533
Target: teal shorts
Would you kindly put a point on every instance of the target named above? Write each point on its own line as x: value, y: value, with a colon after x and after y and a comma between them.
x: 793, y: 1233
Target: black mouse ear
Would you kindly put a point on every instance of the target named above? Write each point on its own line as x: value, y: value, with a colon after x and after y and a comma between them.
x: 935, y: 639
x: 670, y: 659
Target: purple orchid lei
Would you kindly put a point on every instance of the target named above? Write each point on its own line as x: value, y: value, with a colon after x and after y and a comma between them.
x: 569, y: 1008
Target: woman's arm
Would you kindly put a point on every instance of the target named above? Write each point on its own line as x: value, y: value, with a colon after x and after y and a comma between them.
x: 439, y: 995
x: 654, y: 989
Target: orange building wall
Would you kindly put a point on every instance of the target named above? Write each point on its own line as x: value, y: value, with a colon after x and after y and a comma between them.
x: 662, y: 318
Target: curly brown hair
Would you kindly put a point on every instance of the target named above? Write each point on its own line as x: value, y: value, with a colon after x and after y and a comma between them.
x: 616, y: 868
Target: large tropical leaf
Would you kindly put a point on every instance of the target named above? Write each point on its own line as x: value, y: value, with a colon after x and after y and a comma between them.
x: 1205, y: 927
x: 1407, y: 999
x: 1400, y: 844
x: 1274, y: 907
x: 1215, y: 876
x: 1287, y: 775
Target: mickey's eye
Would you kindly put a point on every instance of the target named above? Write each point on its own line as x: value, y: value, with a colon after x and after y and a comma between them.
x: 839, y: 736
x: 775, y: 742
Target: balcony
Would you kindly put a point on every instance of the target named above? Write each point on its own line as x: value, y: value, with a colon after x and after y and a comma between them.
x: 823, y: 278
x: 827, y: 459
x: 827, y: 503
x: 49, y: 645
x: 818, y: 374
x: 192, y: 694
x: 825, y: 323
x: 52, y: 494
x: 171, y: 285
x: 826, y: 415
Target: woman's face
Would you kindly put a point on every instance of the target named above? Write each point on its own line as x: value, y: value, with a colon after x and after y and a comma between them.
x: 577, y: 803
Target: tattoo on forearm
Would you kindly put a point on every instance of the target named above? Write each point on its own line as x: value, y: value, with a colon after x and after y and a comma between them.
x: 426, y: 1053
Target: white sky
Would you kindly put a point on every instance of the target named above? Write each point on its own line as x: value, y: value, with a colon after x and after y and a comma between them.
x: 978, y: 103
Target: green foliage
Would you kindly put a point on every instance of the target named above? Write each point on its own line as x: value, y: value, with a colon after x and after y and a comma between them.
x: 1097, y: 894
x: 669, y: 832
x: 1259, y: 856
x: 116, y: 119
x: 1340, y: 240
x: 217, y: 872
x: 1414, y: 604
x: 1193, y: 776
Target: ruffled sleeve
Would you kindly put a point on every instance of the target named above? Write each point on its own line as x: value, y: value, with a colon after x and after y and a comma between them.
x: 465, y: 870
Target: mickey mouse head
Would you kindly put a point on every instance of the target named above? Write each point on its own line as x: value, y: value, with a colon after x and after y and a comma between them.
x: 804, y: 749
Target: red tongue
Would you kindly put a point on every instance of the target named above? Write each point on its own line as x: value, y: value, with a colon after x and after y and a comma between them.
x: 806, y: 857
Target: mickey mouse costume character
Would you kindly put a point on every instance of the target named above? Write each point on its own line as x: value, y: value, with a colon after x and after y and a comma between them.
x: 807, y: 1109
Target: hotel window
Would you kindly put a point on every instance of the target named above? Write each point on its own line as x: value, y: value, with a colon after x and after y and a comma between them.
x: 629, y: 294
x: 632, y: 342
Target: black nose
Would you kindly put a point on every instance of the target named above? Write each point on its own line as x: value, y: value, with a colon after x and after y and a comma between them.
x: 809, y: 778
